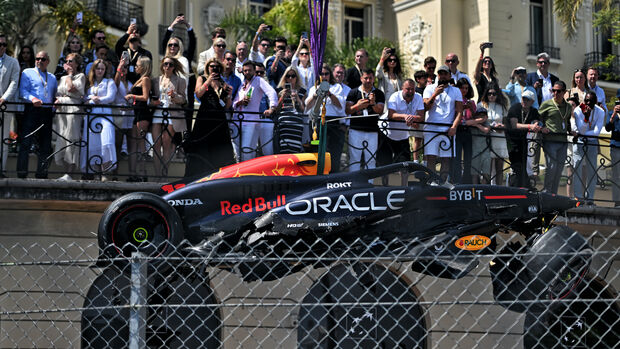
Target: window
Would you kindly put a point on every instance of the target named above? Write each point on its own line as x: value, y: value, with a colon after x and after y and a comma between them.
x: 541, y: 29
x: 356, y: 23
x: 260, y: 7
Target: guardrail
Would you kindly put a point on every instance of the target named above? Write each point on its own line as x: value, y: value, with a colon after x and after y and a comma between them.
x: 465, y: 167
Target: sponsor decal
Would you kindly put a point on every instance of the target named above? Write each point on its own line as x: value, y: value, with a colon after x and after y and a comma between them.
x: 185, y: 202
x: 465, y: 195
x: 258, y: 204
x: 169, y: 188
x: 359, y: 202
x: 338, y: 185
x: 328, y: 224
x: 473, y: 242
x: 532, y: 209
x: 294, y: 225
x: 504, y: 197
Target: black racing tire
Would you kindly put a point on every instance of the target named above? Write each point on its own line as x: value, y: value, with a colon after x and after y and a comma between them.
x: 142, y: 222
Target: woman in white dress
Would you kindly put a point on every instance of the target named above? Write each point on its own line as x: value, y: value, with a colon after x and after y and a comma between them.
x: 171, y: 89
x: 68, y: 118
x: 496, y: 104
x: 100, y: 155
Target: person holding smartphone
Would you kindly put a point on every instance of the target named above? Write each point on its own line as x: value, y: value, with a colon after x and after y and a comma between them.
x: 134, y: 51
x: 302, y: 61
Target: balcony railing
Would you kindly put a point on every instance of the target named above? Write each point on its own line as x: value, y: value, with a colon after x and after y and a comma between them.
x: 607, y: 73
x: 118, y: 14
x: 535, y: 49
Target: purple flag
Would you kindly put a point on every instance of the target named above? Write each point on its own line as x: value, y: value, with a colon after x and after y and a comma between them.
x: 318, y: 9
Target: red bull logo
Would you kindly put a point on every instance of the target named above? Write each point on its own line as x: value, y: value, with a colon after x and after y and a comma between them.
x: 252, y: 205
x: 473, y: 242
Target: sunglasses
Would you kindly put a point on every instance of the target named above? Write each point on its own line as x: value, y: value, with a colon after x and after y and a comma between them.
x: 230, y: 59
x: 74, y: 42
x: 589, y: 101
x: 260, y: 72
x: 291, y: 76
x: 303, y: 53
x: 4, y: 44
x: 100, y: 38
x: 214, y: 66
x: 391, y: 60
x: 281, y: 47
x: 69, y: 61
x: 42, y: 59
x: 173, y: 45
x: 542, y: 62
x: 556, y: 91
x: 168, y: 64
x: 221, y: 46
x: 265, y: 45
x: 450, y: 60
x: 486, y: 62
x: 325, y: 73
x: 492, y: 94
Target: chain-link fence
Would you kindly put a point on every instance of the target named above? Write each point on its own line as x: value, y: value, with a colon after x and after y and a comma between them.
x: 555, y: 290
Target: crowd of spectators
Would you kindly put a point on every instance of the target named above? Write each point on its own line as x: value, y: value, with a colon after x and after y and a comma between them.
x: 255, y: 98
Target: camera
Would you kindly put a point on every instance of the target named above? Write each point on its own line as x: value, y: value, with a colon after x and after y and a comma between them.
x: 444, y: 82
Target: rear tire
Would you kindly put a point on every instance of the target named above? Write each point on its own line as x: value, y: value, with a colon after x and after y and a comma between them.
x: 139, y: 222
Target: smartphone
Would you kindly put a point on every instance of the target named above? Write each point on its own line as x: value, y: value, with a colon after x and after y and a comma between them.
x: 269, y: 27
x: 287, y: 86
x: 79, y: 17
x: 618, y: 102
x: 304, y: 35
x: 133, y: 21
x: 540, y: 81
x: 487, y: 45
x: 125, y: 56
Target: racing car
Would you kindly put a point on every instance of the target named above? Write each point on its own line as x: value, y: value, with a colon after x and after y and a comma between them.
x: 275, y: 210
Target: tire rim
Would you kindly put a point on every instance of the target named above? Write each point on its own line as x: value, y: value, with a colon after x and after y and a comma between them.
x: 142, y: 228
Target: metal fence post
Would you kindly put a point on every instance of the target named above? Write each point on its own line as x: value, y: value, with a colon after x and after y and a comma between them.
x: 137, y: 300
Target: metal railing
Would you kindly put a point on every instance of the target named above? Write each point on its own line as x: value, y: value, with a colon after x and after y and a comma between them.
x: 592, y: 58
x: 118, y: 13
x: 535, y: 49
x: 147, y: 151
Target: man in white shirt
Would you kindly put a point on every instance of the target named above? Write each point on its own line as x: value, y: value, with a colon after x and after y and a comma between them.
x: 445, y: 107
x: 405, y: 110
x: 247, y: 105
x: 260, y: 46
x: 210, y: 53
x: 9, y: 80
x: 242, y: 56
x: 592, y: 86
x: 452, y: 61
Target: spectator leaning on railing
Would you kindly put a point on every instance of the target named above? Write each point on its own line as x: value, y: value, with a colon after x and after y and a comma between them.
x: 612, y: 125
x: 9, y: 80
x: 38, y: 89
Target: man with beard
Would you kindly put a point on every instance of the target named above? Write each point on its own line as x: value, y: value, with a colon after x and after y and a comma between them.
x: 247, y: 106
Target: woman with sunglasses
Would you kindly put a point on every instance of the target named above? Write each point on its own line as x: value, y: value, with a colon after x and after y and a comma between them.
x: 209, y: 145
x: 174, y: 48
x: 99, y: 154
x: 138, y: 97
x: 485, y: 72
x: 303, y: 63
x: 496, y: 104
x: 219, y: 48
x: 73, y: 45
x: 576, y: 94
x: 68, y: 117
x: 389, y: 80
x: 293, y: 128
x: 170, y: 87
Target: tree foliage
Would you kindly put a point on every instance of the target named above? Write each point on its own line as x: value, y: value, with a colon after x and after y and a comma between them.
x: 567, y: 11
x: 62, y: 19
x: 240, y: 24
x: 19, y: 20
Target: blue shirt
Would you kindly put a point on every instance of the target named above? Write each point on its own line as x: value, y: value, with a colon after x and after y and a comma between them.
x: 615, y: 130
x: 234, y: 82
x: 37, y: 84
x: 274, y: 77
x: 514, y: 91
